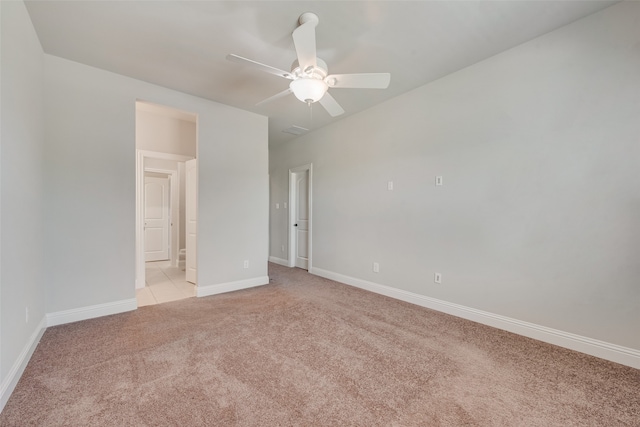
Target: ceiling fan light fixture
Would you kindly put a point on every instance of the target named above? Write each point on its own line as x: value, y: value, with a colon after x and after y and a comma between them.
x: 308, y: 90
x: 310, y: 78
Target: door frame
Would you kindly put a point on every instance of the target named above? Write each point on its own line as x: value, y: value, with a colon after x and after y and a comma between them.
x: 293, y: 203
x: 191, y: 203
x: 141, y: 155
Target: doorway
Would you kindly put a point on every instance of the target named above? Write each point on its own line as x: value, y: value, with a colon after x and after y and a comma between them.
x: 172, y: 165
x: 300, y: 217
x: 166, y: 141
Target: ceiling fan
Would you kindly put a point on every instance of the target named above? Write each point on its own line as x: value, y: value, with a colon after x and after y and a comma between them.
x: 310, y: 79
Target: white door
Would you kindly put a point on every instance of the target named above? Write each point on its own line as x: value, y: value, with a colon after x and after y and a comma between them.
x: 156, y: 219
x: 301, y: 220
x: 191, y: 211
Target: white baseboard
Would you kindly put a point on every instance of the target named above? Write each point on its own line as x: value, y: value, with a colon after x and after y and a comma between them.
x: 203, y: 291
x: 615, y: 353
x: 11, y: 380
x: 280, y: 261
x: 90, y: 312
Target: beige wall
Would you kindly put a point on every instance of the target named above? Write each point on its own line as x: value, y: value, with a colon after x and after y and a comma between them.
x: 155, y: 132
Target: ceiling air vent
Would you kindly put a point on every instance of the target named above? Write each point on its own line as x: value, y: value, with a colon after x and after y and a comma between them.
x: 295, y: 130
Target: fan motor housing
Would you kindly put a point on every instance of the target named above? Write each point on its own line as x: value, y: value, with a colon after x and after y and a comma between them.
x: 320, y: 71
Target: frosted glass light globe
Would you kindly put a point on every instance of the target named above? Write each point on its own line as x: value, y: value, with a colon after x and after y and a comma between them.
x: 308, y: 90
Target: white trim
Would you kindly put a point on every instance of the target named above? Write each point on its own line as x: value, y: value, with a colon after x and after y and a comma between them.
x: 12, y: 378
x: 280, y: 261
x: 292, y: 214
x: 164, y: 156
x: 181, y: 221
x: 615, y: 353
x: 90, y: 312
x: 140, y: 272
x: 191, y: 215
x: 203, y: 291
x: 140, y: 156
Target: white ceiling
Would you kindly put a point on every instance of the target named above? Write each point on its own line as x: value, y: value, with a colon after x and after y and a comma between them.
x: 182, y: 45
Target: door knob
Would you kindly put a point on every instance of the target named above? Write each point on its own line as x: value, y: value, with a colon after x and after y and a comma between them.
x: 295, y: 225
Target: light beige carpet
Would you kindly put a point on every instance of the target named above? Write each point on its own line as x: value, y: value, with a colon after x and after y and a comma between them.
x: 306, y: 351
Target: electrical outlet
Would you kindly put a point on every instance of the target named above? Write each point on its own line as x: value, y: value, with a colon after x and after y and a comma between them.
x: 376, y: 267
x: 438, y: 180
x: 277, y: 205
x: 390, y: 185
x: 437, y: 278
x: 246, y: 263
x: 26, y: 315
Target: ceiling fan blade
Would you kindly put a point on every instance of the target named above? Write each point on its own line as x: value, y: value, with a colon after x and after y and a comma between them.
x: 304, y: 38
x: 360, y: 81
x: 331, y: 105
x: 274, y: 97
x: 258, y: 65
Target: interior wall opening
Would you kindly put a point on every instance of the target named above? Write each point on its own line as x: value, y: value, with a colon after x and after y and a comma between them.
x: 166, y: 194
x: 300, y: 217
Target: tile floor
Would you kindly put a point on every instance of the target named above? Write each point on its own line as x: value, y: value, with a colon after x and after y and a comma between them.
x: 164, y: 283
